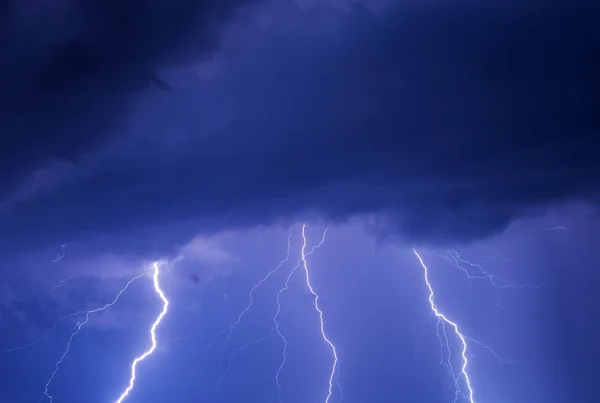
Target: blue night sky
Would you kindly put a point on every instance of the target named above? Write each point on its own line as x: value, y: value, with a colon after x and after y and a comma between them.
x: 152, y: 147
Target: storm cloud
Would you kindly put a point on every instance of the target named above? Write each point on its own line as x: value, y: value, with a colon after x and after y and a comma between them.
x: 453, y: 120
x: 69, y: 69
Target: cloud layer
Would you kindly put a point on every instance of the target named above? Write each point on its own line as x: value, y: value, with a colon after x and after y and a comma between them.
x: 70, y: 69
x: 452, y: 120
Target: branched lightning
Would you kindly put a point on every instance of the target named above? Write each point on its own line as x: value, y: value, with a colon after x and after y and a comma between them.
x: 443, y: 321
x: 279, y: 314
x: 318, y: 309
x: 236, y: 323
x: 448, y: 331
x: 276, y: 317
x: 76, y: 331
x: 252, y: 343
x: 237, y: 350
x: 455, y: 259
x: 148, y: 352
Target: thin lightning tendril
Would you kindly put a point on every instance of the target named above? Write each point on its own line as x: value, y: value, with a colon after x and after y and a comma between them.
x: 152, y: 348
x: 250, y: 344
x: 447, y: 322
x: 318, y: 309
x: 455, y: 259
x: 59, y: 284
x: 60, y: 256
x: 368, y: 268
x: 279, y: 314
x: 76, y: 331
x: 235, y: 324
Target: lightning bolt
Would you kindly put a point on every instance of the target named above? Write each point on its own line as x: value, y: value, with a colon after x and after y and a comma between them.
x: 75, y: 332
x: 318, y: 309
x: 153, y: 328
x: 280, y: 313
x: 444, y: 321
x: 278, y: 316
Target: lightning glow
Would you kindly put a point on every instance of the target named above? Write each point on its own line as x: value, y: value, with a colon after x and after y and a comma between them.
x: 318, y: 309
x: 444, y: 320
x: 75, y: 332
x: 153, y: 328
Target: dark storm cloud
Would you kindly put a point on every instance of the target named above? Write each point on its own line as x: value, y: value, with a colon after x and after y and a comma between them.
x: 454, y: 120
x: 68, y: 69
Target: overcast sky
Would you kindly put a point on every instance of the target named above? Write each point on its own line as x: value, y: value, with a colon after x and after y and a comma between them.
x: 202, y: 134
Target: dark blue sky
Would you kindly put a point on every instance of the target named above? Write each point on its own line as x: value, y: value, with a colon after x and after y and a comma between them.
x: 198, y: 133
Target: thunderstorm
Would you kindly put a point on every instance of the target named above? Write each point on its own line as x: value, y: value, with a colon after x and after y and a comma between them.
x: 299, y: 201
x: 456, y: 345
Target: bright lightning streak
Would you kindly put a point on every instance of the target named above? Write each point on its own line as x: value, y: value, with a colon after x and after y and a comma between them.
x: 318, y: 309
x: 148, y: 352
x: 445, y: 321
x: 277, y: 317
x: 78, y: 327
x: 277, y: 321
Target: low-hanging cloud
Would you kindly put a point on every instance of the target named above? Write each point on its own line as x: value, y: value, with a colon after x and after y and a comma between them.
x: 451, y: 120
